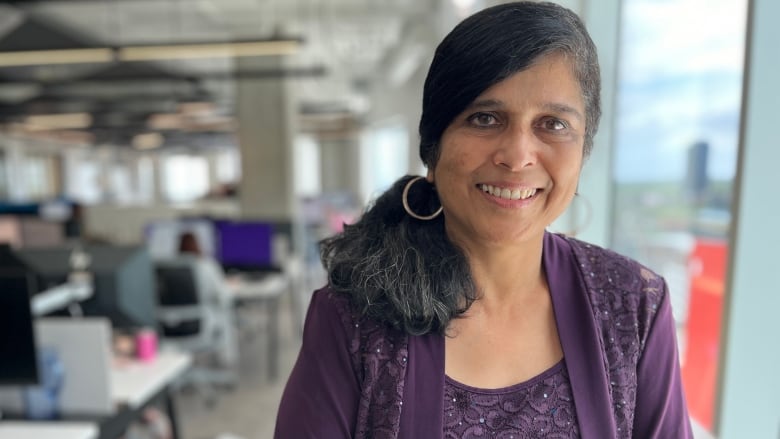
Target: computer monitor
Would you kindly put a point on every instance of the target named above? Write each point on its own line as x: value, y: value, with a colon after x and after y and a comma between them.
x: 162, y: 236
x: 19, y: 364
x: 123, y: 281
x: 245, y: 245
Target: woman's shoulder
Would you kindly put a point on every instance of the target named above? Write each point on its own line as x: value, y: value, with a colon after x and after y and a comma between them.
x: 369, y: 341
x: 626, y: 299
x: 333, y: 305
x: 605, y: 267
x: 210, y: 263
x: 621, y: 290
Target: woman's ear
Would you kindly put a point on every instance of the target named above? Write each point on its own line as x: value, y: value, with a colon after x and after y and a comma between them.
x: 429, y: 176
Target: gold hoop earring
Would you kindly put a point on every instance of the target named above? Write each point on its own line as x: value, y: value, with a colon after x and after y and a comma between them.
x: 405, y: 201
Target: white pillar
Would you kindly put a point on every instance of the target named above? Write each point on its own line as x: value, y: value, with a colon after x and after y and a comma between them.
x: 750, y: 385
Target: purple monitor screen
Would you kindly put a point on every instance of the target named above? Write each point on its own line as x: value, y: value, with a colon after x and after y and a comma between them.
x: 244, y: 243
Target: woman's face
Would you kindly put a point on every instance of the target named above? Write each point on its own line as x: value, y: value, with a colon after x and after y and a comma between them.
x: 510, y: 162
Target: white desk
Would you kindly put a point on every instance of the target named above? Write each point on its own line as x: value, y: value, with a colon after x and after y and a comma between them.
x: 133, y: 384
x: 136, y: 382
x: 245, y: 289
x: 47, y: 430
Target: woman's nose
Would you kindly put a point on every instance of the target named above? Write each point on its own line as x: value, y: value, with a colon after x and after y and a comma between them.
x: 516, y: 150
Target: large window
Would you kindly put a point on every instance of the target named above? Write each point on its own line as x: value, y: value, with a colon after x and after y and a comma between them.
x: 385, y: 158
x: 185, y: 178
x: 677, y: 126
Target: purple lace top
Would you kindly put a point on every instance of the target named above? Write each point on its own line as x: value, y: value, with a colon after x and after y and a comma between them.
x: 540, y: 407
x: 356, y: 378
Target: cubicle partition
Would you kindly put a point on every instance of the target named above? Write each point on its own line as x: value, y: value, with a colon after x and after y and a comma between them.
x: 83, y: 348
x: 123, y: 281
x: 30, y: 231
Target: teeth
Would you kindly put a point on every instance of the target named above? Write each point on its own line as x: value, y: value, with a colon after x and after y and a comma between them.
x: 514, y: 194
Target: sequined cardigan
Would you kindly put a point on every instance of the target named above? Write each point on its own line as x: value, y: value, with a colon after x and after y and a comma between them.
x: 355, y: 378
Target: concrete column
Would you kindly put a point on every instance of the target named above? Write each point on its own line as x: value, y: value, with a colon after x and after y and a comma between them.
x: 266, y: 116
x: 211, y: 162
x: 158, y: 161
x: 340, y: 165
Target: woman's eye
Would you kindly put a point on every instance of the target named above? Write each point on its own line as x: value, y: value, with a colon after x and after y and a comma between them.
x: 553, y: 124
x: 483, y: 119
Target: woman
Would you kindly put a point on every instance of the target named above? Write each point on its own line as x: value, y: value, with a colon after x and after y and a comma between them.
x: 212, y: 278
x: 450, y: 311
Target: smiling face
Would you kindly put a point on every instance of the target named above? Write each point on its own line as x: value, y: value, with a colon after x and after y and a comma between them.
x: 510, y: 162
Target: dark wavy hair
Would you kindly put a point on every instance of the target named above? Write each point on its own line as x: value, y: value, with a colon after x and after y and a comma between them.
x: 405, y: 272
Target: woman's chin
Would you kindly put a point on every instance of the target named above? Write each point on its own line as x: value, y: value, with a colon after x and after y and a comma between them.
x: 495, y: 236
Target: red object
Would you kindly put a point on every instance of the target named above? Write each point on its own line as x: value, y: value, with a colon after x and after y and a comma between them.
x: 707, y: 271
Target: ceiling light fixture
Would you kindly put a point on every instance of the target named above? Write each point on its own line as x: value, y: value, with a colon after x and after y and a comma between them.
x: 196, y: 108
x: 64, y: 56
x: 150, y: 53
x: 48, y: 122
x: 147, y: 141
x: 216, y: 50
x: 164, y: 121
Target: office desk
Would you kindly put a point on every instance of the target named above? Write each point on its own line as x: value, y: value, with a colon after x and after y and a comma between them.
x: 265, y: 293
x: 47, y: 430
x: 134, y: 386
x: 135, y: 383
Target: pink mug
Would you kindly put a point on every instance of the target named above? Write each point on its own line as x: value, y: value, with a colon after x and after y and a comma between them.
x: 146, y: 345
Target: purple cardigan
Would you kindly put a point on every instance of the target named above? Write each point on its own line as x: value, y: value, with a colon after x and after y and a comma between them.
x: 357, y: 379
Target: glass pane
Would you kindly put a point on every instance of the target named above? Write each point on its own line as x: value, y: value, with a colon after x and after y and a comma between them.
x: 185, y: 178
x: 678, y: 108
x: 385, y: 157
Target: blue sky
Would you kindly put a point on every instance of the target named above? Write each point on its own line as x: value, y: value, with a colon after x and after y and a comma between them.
x: 680, y: 83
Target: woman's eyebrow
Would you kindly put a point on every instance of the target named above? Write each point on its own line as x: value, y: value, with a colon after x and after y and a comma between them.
x: 553, y: 107
x: 485, y: 104
x: 556, y: 107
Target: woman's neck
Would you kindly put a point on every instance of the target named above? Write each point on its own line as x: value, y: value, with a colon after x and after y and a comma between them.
x: 504, y: 273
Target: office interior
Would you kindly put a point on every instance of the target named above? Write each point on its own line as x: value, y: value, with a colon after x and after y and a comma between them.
x: 260, y: 128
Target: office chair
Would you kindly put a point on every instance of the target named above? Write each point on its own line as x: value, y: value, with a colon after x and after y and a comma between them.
x: 191, y: 319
